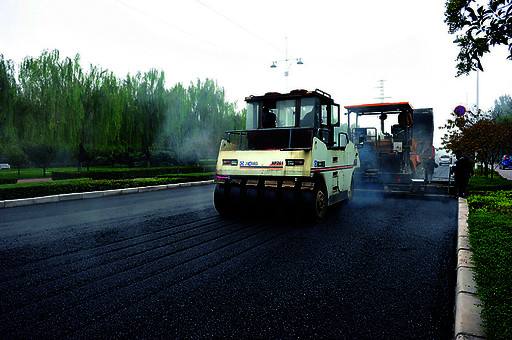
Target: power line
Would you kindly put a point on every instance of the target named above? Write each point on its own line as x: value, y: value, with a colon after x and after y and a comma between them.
x: 235, y: 23
x: 177, y: 28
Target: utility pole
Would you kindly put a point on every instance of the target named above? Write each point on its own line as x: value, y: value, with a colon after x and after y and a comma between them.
x: 477, y: 90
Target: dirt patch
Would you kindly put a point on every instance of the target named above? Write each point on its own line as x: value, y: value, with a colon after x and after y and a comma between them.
x: 33, y: 180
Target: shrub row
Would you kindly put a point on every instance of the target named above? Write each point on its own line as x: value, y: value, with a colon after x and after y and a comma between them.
x: 499, y: 201
x: 194, y: 176
x: 8, y: 181
x: 490, y: 236
x: 26, y: 190
x: 125, y: 173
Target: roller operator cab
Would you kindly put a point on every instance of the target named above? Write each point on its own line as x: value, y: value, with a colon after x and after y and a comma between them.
x: 292, y: 154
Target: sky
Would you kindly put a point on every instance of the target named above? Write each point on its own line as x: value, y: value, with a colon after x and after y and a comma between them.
x: 346, y: 46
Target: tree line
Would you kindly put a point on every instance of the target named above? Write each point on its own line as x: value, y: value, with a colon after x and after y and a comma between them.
x: 54, y: 110
x: 482, y: 136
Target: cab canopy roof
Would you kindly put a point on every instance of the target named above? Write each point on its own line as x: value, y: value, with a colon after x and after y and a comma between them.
x: 294, y: 94
x: 379, y: 108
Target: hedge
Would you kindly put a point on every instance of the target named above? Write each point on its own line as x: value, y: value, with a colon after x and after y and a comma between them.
x: 490, y: 236
x: 194, y: 176
x: 26, y: 190
x: 8, y: 180
x: 499, y: 201
x: 124, y: 173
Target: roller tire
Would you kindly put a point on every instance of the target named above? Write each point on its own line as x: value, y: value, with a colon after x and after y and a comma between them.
x: 350, y: 194
x: 316, y: 203
x: 220, y: 200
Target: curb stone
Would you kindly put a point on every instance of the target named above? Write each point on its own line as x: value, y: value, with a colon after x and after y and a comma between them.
x: 468, y: 322
x: 112, y: 192
x: 18, y: 202
x: 129, y: 191
x: 95, y: 194
x: 71, y: 197
x: 467, y: 337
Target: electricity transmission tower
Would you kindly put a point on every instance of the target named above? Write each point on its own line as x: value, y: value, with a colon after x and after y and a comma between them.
x: 381, y: 96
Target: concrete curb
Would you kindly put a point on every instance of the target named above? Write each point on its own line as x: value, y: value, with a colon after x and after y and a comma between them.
x: 468, y: 323
x: 95, y: 194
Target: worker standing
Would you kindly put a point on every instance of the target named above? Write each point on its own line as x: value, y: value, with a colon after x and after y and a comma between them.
x: 429, y: 165
x: 463, y: 171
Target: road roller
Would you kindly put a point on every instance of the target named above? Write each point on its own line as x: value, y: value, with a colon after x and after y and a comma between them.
x: 293, y: 154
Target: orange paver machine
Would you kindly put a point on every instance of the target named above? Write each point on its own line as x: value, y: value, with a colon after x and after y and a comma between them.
x: 391, y: 158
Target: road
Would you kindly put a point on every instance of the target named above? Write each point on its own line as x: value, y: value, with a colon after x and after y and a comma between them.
x: 164, y: 264
x: 505, y: 173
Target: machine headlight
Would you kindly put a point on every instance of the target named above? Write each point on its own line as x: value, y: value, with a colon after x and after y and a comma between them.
x: 233, y: 162
x: 293, y: 162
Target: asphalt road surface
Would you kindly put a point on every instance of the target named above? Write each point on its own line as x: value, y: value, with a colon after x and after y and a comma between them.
x: 164, y: 264
x: 505, y: 173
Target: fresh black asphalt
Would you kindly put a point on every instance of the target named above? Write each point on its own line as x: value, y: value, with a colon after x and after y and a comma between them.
x: 164, y: 264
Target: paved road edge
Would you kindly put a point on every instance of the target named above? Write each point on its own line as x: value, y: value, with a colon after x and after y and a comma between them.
x: 468, y: 322
x: 95, y: 194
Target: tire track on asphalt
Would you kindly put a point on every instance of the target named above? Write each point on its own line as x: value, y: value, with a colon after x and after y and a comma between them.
x: 124, y: 325
x: 76, y: 325
x: 93, y: 271
x: 77, y: 255
x: 54, y: 307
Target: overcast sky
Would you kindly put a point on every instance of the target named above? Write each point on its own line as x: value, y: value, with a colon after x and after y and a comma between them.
x: 346, y: 46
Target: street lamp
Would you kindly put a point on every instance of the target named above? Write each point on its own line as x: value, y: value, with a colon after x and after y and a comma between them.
x: 287, y: 61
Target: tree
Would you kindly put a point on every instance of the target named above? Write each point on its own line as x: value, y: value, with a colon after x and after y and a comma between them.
x: 478, y: 27
x: 41, y: 154
x: 83, y: 157
x: 17, y: 157
x: 478, y: 135
x: 51, y: 100
x: 8, y: 96
x: 502, y: 109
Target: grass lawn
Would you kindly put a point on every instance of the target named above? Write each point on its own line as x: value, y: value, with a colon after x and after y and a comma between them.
x: 479, y: 184
x: 38, y: 172
x: 490, y: 237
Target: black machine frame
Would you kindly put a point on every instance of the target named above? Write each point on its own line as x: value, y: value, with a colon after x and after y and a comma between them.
x: 319, y: 129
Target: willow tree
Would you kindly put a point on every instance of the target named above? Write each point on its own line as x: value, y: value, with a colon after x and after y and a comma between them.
x: 54, y: 103
x: 8, y: 96
x: 150, y: 101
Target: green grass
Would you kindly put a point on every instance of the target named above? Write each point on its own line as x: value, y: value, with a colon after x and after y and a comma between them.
x: 490, y: 236
x: 30, y: 172
x: 483, y: 184
x: 38, y: 172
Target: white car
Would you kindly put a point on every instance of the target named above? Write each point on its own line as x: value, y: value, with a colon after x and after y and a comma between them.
x: 4, y: 166
x: 445, y: 160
